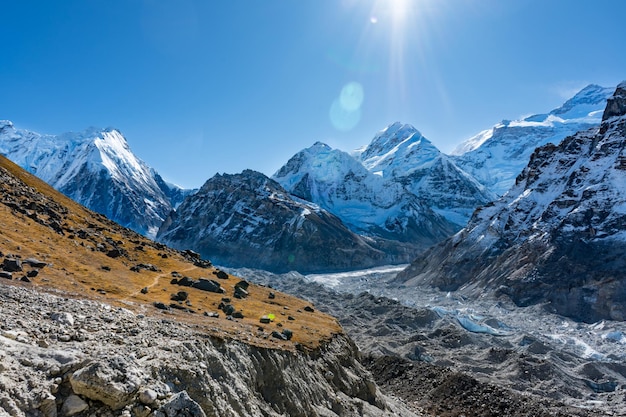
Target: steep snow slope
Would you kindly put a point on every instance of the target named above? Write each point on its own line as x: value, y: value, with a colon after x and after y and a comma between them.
x: 365, y: 202
x: 400, y: 153
x: 96, y: 168
x: 557, y: 236
x: 248, y: 219
x: 496, y: 156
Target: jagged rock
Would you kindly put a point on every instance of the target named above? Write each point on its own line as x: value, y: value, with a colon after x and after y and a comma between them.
x: 48, y: 405
x: 12, y: 265
x: 180, y: 405
x: 32, y: 273
x: 144, y: 290
x: 113, y: 381
x: 6, y: 275
x: 73, y: 405
x: 616, y: 105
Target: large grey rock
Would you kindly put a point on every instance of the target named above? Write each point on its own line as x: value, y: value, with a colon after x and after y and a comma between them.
x: 180, y: 405
x: 63, y: 318
x: 73, y: 405
x: 113, y: 381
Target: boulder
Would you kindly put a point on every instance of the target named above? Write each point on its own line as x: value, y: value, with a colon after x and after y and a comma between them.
x: 148, y: 396
x: 113, y: 381
x: 73, y: 405
x: 12, y: 265
x: 220, y: 274
x: 35, y: 263
x: 240, y: 292
x: 208, y: 285
x: 180, y: 405
x: 63, y: 318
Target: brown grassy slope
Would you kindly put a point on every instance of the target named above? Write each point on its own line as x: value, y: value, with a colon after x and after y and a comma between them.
x: 37, y: 221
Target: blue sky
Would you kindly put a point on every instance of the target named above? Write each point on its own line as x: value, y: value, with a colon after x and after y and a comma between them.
x: 206, y: 86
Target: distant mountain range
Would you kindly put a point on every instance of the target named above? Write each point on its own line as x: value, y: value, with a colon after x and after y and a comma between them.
x: 558, y: 236
x: 383, y: 203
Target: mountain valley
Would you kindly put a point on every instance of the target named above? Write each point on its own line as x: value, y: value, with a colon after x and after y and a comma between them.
x: 487, y: 282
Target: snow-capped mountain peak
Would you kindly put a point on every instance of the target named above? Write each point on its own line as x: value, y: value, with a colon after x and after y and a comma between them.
x: 496, y: 156
x: 585, y: 103
x: 97, y: 168
x: 366, y: 202
x: 395, y: 148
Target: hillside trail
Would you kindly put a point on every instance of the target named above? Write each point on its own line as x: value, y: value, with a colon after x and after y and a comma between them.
x: 156, y: 279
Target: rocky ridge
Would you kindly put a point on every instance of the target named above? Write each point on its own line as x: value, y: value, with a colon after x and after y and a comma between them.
x: 557, y: 236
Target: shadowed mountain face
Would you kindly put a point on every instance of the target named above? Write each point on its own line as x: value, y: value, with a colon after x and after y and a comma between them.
x: 250, y: 220
x: 557, y: 236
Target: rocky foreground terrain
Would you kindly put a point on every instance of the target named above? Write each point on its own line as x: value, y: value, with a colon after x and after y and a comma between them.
x: 62, y: 356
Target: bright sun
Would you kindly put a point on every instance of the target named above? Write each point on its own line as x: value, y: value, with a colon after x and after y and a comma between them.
x: 394, y: 10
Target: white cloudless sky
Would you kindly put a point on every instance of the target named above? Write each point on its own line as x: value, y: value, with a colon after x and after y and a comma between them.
x: 200, y: 87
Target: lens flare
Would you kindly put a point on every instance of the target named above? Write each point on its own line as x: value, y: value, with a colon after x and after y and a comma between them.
x: 345, y: 111
x: 351, y: 96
